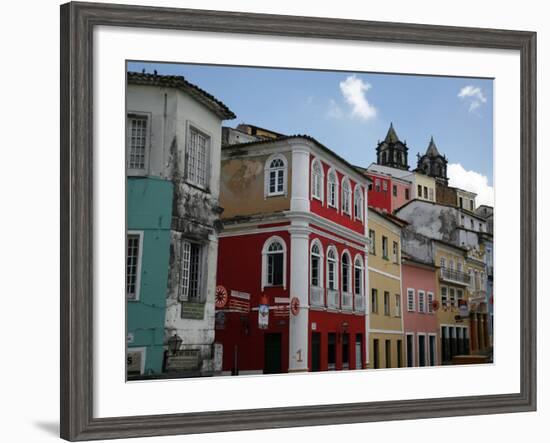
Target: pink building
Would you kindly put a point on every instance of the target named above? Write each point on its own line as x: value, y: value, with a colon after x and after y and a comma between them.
x: 418, y: 279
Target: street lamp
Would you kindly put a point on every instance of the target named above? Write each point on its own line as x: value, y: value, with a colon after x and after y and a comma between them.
x: 174, y: 343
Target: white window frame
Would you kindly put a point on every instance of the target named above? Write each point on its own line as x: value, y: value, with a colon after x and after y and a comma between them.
x: 350, y: 273
x: 346, y: 200
x: 192, y: 127
x: 430, y: 302
x: 136, y: 296
x: 267, y: 175
x: 421, y: 301
x: 387, y: 312
x: 142, y: 116
x: 372, y: 242
x: 359, y: 259
x: 321, y: 262
x: 452, y: 299
x: 332, y: 192
x: 330, y: 249
x: 202, y: 277
x: 395, y: 252
x: 444, y: 303
x: 265, y: 250
x: 410, y: 300
x: 358, y: 203
x: 321, y: 178
x: 397, y: 307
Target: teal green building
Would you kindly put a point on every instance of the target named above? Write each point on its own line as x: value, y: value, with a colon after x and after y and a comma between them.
x: 149, y: 214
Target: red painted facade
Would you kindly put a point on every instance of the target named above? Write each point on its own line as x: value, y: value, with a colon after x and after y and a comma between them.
x: 380, y: 192
x: 336, y: 337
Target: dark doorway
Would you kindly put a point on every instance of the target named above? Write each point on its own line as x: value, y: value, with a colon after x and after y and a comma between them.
x: 345, y: 351
x: 410, y: 350
x: 331, y: 351
x: 315, y: 351
x: 272, y: 354
x: 376, y: 352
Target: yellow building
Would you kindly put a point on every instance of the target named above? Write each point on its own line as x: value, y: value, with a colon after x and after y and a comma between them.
x: 386, y: 346
x: 423, y: 187
x: 452, y: 296
x: 477, y: 292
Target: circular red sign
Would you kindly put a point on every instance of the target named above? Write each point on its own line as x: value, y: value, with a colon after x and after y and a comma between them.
x: 294, y: 306
x: 221, y: 296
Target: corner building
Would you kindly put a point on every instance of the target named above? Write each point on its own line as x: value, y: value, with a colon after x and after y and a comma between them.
x: 292, y: 263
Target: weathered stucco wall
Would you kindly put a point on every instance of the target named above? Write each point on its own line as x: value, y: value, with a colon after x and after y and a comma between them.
x: 243, y: 187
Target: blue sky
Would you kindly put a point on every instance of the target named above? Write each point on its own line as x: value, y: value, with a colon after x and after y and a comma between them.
x: 350, y: 112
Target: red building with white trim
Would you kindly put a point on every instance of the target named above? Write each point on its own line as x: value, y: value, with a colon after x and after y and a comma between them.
x: 294, y: 239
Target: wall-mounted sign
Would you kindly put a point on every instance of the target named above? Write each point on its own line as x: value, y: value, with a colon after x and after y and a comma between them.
x: 263, y: 316
x: 463, y: 309
x: 239, y: 302
x: 183, y: 360
x: 221, y: 296
x: 220, y: 320
x: 295, y: 306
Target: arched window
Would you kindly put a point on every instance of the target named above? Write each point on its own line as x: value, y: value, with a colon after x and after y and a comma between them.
x: 332, y: 189
x: 346, y: 273
x: 316, y: 272
x: 358, y: 203
x: 332, y: 268
x: 274, y: 262
x: 358, y: 276
x: 383, y: 158
x: 275, y: 175
x: 317, y: 179
x: 346, y: 196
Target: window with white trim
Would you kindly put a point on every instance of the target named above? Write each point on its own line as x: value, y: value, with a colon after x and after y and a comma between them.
x: 397, y: 305
x: 346, y: 273
x: 275, y: 262
x: 133, y: 260
x: 395, y: 252
x: 317, y: 180
x: 346, y: 196
x: 191, y: 268
x: 358, y: 276
x: 276, y: 175
x: 374, y: 301
x: 386, y: 303
x: 316, y: 265
x: 430, y: 302
x: 137, y: 143
x: 459, y: 296
x: 372, y: 242
x: 421, y: 301
x: 332, y: 189
x: 410, y: 300
x: 452, y: 296
x: 358, y: 203
x: 197, y: 154
x: 384, y: 186
x: 332, y: 269
x: 385, y: 247
x: 444, y: 300
x: 442, y: 262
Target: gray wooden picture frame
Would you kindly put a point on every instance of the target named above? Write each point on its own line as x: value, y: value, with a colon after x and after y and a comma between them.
x: 77, y: 23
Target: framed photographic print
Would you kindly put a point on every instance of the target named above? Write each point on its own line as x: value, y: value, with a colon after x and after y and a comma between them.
x: 273, y: 221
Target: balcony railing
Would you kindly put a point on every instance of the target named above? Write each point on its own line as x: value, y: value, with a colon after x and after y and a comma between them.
x: 317, y: 296
x: 454, y: 276
x: 359, y: 303
x: 333, y: 299
x: 347, y: 301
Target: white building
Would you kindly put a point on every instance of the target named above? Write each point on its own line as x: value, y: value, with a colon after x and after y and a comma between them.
x: 175, y: 132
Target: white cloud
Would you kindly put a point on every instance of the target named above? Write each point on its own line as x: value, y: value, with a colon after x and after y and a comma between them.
x: 354, y: 91
x: 471, y: 181
x: 474, y: 95
x: 334, y: 111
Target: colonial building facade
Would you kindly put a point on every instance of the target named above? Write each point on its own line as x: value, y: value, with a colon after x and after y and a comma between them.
x: 174, y: 135
x: 292, y: 268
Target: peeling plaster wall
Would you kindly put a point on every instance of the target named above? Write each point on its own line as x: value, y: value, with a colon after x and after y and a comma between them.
x: 416, y: 245
x: 195, y: 211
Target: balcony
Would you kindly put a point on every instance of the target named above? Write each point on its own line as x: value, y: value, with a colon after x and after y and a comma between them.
x: 317, y: 296
x: 333, y: 299
x: 452, y: 276
x: 347, y: 301
x: 359, y: 303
